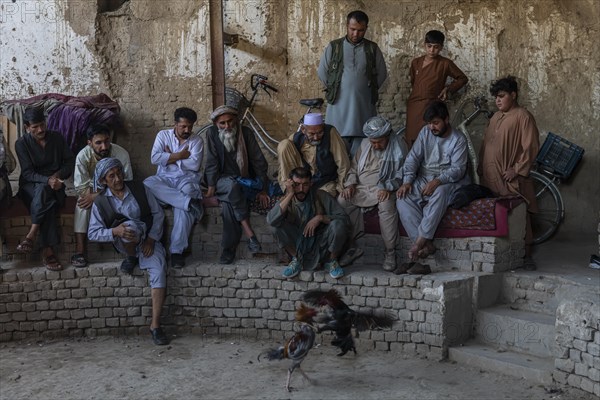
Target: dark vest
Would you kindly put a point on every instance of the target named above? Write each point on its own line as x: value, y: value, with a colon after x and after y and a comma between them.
x: 336, y: 68
x: 111, y: 218
x: 326, y: 166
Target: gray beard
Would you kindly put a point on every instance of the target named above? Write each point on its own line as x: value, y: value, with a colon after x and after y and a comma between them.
x: 228, y: 138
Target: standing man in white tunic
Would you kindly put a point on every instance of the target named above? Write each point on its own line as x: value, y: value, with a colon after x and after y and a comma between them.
x: 352, y: 69
x: 178, y: 154
x: 434, y: 169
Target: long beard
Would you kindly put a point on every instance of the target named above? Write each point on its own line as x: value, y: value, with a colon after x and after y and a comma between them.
x: 229, y: 138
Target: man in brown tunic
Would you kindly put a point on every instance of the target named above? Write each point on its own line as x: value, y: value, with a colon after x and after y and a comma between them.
x: 428, y: 75
x: 508, y: 151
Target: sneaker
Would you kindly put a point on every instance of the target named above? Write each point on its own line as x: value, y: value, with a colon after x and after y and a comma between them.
x: 350, y: 256
x: 195, y: 207
x: 254, y: 245
x: 177, y: 260
x: 158, y: 337
x: 594, y: 261
x: 227, y: 256
x: 293, y: 269
x: 128, y: 264
x: 334, y: 269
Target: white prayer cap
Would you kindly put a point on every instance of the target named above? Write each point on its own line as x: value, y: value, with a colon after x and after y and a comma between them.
x: 313, y: 119
x: 377, y: 127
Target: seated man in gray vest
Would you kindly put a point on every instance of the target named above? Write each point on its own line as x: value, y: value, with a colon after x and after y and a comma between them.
x: 374, y: 178
x: 128, y: 215
x: 318, y: 147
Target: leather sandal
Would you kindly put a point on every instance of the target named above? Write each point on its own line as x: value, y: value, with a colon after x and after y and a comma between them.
x: 52, y: 263
x: 78, y: 260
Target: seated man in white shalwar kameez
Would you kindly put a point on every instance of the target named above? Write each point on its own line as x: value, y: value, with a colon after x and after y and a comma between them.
x: 434, y: 169
x: 178, y: 153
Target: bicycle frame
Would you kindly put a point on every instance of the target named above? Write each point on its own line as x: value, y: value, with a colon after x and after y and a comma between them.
x: 478, y: 102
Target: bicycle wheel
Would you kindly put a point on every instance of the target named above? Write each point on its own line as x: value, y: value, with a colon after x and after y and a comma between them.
x: 551, y: 210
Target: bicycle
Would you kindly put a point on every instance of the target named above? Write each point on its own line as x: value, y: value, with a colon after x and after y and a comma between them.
x: 237, y: 100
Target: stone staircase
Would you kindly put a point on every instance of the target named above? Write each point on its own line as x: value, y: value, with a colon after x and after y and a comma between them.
x: 511, y: 341
x: 514, y: 325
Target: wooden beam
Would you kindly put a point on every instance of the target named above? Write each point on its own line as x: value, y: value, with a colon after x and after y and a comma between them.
x: 217, y: 52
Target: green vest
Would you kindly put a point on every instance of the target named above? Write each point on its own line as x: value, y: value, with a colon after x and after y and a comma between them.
x: 336, y: 68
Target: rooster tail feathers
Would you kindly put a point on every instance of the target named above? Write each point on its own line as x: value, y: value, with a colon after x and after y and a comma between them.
x: 369, y: 320
x: 273, y: 354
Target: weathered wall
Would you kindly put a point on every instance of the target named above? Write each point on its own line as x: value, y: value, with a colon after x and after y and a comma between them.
x: 153, y: 56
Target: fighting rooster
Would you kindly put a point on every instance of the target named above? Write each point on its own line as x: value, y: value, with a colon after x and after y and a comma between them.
x: 297, y: 347
x: 340, y: 318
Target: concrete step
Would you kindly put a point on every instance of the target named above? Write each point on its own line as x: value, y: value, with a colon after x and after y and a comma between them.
x: 521, y: 365
x: 516, y: 330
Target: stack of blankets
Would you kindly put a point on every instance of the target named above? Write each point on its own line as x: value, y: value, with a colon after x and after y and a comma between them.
x: 69, y: 115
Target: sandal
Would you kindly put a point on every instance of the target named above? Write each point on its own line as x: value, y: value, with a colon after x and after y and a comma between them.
x: 78, y: 260
x: 52, y: 263
x: 26, y: 246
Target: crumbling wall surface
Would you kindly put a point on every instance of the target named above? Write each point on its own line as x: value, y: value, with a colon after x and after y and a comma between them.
x: 154, y: 56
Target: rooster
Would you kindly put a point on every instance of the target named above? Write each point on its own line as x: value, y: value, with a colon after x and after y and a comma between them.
x: 297, y: 347
x: 340, y: 318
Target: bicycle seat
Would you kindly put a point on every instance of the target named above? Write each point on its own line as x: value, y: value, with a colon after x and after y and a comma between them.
x: 315, y: 103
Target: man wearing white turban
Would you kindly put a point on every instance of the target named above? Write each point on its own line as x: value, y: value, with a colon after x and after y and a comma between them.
x: 373, y: 179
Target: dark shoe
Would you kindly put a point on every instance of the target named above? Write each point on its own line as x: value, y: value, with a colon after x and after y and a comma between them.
x: 158, y: 337
x: 403, y: 268
x: 227, y: 256
x: 128, y: 264
x: 529, y: 264
x: 254, y: 245
x: 195, y: 207
x: 419, y: 269
x: 177, y: 260
x: 350, y: 256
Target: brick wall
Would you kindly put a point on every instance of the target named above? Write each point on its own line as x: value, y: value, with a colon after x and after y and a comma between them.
x: 248, y: 299
x: 578, y: 338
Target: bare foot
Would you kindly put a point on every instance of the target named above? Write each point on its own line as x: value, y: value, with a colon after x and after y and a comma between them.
x: 427, y: 250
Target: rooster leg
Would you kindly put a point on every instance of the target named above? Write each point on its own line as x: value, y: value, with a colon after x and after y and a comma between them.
x: 289, y: 378
x: 305, y: 376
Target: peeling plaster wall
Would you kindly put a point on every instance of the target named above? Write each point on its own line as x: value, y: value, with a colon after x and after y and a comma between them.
x: 154, y: 56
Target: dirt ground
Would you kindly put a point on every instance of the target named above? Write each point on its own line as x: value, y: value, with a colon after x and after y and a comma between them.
x: 226, y: 368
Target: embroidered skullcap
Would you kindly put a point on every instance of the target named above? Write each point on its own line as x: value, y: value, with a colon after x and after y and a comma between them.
x: 222, y: 110
x: 313, y: 119
x: 102, y: 168
x: 377, y: 127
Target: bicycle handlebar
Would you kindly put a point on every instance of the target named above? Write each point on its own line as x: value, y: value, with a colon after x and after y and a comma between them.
x: 257, y: 80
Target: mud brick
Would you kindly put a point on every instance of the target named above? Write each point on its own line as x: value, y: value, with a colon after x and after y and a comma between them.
x: 85, y: 303
x: 564, y: 365
x: 379, y: 291
x: 125, y: 302
x: 95, y: 270
x: 234, y: 303
x: 372, y: 302
x: 12, y: 307
x: 261, y: 303
x: 404, y: 315
x: 63, y: 294
x: 49, y: 294
x: 119, y: 312
x: 574, y: 380
x: 274, y: 304
x: 78, y: 293
x: 19, y: 297
x: 410, y: 281
x: 15, y: 287
x: 71, y: 303
x: 54, y: 325
x: 213, y: 291
x: 358, y: 300
x: 25, y: 326
x: 97, y: 323
x: 593, y: 349
x: 105, y: 312
x: 77, y: 314
x: 107, y: 291
x: 135, y: 291
x: 202, y: 292
x: 63, y: 314
x: 120, y: 292
x: 241, y: 313
x: 91, y: 313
